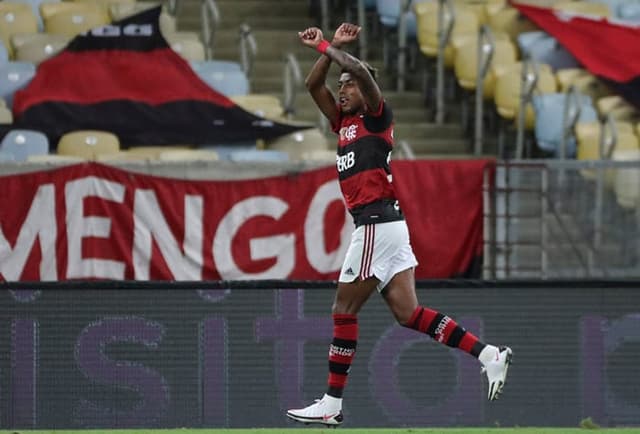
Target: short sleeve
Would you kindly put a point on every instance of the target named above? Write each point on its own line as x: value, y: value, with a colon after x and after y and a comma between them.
x: 380, y: 120
x: 336, y: 127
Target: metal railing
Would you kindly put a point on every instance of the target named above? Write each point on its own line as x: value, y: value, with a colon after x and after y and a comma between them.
x: 248, y: 48
x: 528, y: 83
x: 292, y: 80
x: 210, y: 19
x: 446, y: 21
x: 572, y: 108
x: 172, y: 6
x: 548, y: 219
x: 402, y: 45
x: 486, y: 48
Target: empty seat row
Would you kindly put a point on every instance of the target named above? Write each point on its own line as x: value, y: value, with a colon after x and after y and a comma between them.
x: 27, y: 145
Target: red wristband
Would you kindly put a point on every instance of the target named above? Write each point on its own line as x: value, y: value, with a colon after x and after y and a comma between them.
x: 322, y: 46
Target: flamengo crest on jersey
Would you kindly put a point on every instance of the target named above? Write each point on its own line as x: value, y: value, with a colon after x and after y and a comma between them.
x: 365, y: 143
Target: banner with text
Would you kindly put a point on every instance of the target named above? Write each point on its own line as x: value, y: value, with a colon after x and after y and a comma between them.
x: 91, y: 221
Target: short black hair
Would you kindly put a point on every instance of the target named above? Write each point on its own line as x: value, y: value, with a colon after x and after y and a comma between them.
x: 373, y: 71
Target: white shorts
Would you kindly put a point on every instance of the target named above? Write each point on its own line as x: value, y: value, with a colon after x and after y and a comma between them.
x: 379, y: 250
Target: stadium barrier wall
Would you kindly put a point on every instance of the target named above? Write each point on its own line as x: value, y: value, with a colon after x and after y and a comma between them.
x: 238, y: 354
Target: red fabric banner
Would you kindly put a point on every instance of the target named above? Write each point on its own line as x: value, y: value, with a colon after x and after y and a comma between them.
x: 92, y: 221
x: 607, y: 49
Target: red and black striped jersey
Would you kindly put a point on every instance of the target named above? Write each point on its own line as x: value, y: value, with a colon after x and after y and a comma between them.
x: 364, y: 151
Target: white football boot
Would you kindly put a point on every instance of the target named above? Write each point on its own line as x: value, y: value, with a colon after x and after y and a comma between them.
x: 496, y: 370
x: 326, y: 411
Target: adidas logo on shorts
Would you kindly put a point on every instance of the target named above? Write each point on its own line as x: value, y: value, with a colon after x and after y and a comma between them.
x: 349, y: 271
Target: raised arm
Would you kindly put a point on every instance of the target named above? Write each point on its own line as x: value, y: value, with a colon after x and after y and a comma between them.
x: 316, y: 80
x: 358, y: 70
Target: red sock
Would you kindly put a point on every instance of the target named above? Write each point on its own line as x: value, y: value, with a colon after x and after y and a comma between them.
x: 341, y: 352
x: 444, y: 330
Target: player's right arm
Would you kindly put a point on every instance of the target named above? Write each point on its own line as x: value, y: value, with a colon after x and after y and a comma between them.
x: 317, y: 78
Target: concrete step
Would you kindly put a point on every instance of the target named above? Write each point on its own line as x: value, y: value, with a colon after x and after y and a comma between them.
x: 425, y: 147
x: 255, y: 22
x: 409, y: 130
x: 246, y: 8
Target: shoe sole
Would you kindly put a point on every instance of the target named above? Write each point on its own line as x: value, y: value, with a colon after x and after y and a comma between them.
x: 328, y: 423
x: 507, y: 363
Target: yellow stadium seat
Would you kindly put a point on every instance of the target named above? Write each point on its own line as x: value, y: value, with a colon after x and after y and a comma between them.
x: 6, y: 117
x: 88, y: 144
x: 608, y: 103
x: 466, y: 63
x: 466, y: 22
x: 508, y: 91
x: 625, y: 113
x: 106, y: 4
x: 508, y: 20
x: 592, y: 86
x: 187, y: 45
x: 584, y: 8
x: 49, y: 9
x: 119, y: 11
x: 74, y: 21
x: 626, y: 182
x: 15, y: 18
x: 296, y: 144
x: 566, y: 77
x: 267, y: 106
x: 36, y: 47
x: 588, y: 137
x: 476, y: 7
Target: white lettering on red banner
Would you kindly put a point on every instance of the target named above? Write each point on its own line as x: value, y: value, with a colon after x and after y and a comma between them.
x: 91, y: 221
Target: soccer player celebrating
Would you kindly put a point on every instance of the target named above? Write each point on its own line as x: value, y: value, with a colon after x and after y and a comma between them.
x: 380, y: 256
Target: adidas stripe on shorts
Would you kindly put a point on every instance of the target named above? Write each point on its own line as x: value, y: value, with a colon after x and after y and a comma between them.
x: 379, y: 250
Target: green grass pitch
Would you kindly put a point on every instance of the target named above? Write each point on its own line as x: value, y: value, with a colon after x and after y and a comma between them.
x: 304, y: 430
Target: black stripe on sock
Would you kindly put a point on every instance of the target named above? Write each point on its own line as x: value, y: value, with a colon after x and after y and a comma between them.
x: 338, y: 368
x: 456, y: 336
x: 431, y: 330
x: 477, y: 348
x: 336, y: 392
x: 344, y: 343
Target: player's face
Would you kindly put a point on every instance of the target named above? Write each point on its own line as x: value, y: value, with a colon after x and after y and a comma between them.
x: 349, y: 95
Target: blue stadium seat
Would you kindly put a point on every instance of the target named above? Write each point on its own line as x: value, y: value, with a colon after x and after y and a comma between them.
x: 389, y: 16
x: 4, y: 54
x: 544, y: 48
x: 14, y: 76
x: 548, y: 130
x: 629, y: 12
x: 258, y: 155
x: 222, y: 76
x: 21, y: 144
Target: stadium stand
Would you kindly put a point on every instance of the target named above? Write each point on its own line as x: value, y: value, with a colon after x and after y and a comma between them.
x: 13, y: 77
x: 37, y: 47
x: 22, y: 144
x: 88, y: 144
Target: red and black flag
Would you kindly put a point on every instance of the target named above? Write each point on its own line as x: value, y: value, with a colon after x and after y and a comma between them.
x: 607, y: 49
x: 124, y: 78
